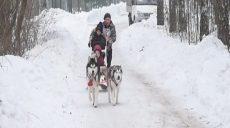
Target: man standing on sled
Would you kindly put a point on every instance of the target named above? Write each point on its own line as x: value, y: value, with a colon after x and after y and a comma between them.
x: 109, y: 32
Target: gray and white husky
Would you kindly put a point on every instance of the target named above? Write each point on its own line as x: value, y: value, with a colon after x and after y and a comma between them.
x: 92, y: 71
x: 114, y: 82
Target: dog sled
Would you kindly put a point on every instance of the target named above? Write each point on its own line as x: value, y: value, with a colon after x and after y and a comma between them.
x: 99, y: 48
x: 97, y: 71
x: 101, y: 76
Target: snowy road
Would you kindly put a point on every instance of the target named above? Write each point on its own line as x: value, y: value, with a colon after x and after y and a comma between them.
x: 48, y: 89
x: 142, y: 104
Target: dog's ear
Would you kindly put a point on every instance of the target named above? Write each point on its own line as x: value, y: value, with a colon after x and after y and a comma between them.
x: 111, y: 73
x: 120, y: 68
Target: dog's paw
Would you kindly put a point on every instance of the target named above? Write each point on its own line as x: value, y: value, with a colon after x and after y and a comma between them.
x: 95, y: 106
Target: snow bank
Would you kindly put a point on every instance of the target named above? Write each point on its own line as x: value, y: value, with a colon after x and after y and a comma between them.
x: 43, y: 88
x: 46, y: 24
x: 34, y: 92
x: 198, y: 75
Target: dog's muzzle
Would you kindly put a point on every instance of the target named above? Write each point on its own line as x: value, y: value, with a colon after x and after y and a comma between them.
x: 118, y: 78
x: 93, y: 73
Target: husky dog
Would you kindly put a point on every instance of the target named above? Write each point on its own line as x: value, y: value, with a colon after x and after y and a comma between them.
x: 92, y: 71
x: 114, y: 81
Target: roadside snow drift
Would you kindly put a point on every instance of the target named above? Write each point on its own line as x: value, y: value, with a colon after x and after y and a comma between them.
x: 197, y: 75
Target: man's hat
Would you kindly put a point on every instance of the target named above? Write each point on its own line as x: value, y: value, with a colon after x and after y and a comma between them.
x: 107, y: 15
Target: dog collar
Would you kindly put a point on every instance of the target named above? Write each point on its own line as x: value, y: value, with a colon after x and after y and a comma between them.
x: 115, y: 82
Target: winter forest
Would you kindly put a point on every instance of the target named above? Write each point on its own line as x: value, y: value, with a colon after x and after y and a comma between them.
x: 114, y: 64
x: 18, y: 30
x: 189, y: 20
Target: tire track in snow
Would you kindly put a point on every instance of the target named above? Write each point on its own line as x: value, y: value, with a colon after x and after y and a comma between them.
x: 173, y: 115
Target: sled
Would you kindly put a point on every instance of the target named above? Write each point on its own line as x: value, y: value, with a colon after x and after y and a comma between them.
x: 103, y: 69
x: 103, y: 78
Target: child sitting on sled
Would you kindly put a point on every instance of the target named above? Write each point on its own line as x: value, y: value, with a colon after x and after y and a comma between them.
x: 98, y: 43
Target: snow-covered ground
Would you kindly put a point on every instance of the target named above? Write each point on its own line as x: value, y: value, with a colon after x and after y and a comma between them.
x: 166, y: 84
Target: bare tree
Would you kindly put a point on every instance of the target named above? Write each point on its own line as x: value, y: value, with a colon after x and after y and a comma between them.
x: 172, y: 16
x: 182, y: 17
x: 15, y: 26
x: 8, y: 13
x: 20, y: 19
x: 160, y: 12
x: 222, y: 20
x: 192, y: 19
x: 70, y: 5
x: 204, y: 22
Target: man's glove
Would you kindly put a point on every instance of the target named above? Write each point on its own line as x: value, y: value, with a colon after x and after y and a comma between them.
x: 89, y: 44
x: 110, y: 42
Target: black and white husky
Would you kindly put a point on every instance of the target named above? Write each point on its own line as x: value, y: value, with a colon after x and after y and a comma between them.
x: 92, y: 71
x: 115, y: 79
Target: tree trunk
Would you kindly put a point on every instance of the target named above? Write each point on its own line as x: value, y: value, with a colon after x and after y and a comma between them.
x: 160, y: 12
x: 70, y: 6
x: 78, y: 5
x: 172, y: 16
x: 182, y: 18
x: 19, y: 26
x: 204, y: 24
x: 60, y: 4
x: 222, y: 20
